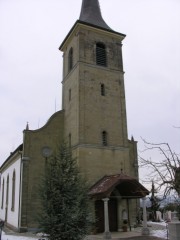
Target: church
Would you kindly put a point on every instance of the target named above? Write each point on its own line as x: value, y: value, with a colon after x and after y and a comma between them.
x: 92, y: 121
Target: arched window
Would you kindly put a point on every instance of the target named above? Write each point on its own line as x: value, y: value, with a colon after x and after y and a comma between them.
x: 104, y: 138
x: 2, y: 200
x: 7, y: 191
x: 7, y: 198
x: 101, y: 54
x: 102, y: 90
x: 70, y: 59
x: 13, y: 190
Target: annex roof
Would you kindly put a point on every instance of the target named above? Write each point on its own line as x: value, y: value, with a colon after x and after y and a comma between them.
x: 126, y: 186
x: 17, y: 150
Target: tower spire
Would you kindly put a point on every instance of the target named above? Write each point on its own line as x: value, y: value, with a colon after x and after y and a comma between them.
x: 91, y: 13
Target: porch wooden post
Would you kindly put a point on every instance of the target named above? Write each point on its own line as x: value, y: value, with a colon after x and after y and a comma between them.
x: 107, y: 234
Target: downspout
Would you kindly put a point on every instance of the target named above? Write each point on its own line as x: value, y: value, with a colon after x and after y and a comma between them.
x: 20, y: 193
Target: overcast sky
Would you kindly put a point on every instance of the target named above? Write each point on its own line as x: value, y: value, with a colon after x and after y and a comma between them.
x: 31, y: 65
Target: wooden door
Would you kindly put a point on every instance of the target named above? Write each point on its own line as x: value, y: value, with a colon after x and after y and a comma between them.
x: 99, y: 208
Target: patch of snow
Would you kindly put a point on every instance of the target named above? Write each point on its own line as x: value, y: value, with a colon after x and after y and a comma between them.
x: 159, y: 233
x: 159, y: 229
x: 162, y: 223
x: 13, y: 237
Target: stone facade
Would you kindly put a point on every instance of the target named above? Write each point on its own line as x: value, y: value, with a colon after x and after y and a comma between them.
x: 88, y: 113
x: 51, y: 136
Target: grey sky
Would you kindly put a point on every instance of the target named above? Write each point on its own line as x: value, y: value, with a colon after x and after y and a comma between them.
x: 31, y: 65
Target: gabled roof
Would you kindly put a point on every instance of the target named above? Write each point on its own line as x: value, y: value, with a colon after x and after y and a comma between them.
x: 127, y: 187
x: 91, y: 13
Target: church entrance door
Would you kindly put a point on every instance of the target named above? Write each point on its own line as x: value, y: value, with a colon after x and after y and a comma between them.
x: 99, y: 208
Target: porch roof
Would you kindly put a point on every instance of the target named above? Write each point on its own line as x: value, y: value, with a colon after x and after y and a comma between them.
x: 125, y: 186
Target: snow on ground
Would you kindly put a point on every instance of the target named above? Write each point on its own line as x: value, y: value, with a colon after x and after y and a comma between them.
x: 156, y: 229
x: 11, y: 237
x: 160, y: 234
x: 14, y: 237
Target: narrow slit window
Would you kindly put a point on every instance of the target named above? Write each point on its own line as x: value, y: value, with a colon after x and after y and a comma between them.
x: 70, y: 59
x: 69, y: 94
x: 69, y: 139
x: 104, y: 138
x: 102, y: 90
x: 101, y: 54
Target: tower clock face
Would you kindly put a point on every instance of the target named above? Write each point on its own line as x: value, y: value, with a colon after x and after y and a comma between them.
x: 46, y: 151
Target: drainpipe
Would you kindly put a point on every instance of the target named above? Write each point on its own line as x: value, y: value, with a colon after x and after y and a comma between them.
x: 20, y: 192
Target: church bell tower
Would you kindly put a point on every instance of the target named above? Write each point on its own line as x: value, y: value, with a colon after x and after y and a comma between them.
x: 94, y: 95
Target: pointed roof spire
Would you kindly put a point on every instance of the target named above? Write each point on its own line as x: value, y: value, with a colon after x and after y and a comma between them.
x: 27, y: 126
x: 91, y: 13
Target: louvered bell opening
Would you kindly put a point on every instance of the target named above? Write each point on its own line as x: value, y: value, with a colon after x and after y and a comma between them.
x: 101, y: 55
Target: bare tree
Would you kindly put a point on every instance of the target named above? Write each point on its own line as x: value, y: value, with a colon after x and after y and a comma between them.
x: 165, y: 171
